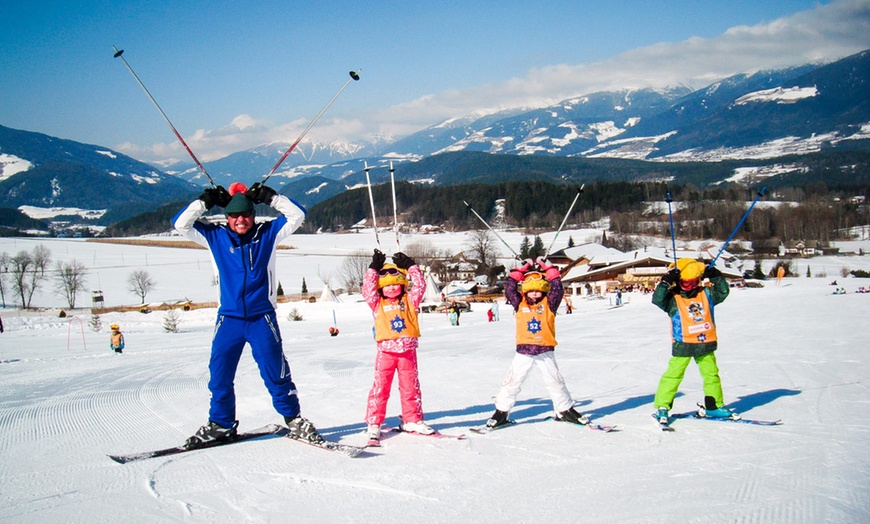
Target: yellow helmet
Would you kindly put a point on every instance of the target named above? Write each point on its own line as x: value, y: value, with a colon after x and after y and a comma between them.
x: 392, y: 274
x: 535, y: 281
x: 115, y: 327
x: 690, y: 268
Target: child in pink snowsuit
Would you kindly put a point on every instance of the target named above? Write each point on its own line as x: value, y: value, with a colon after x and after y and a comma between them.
x: 394, y: 303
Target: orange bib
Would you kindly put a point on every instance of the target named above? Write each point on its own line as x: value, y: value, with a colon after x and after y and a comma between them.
x: 536, y: 325
x: 696, y: 319
x: 394, y: 320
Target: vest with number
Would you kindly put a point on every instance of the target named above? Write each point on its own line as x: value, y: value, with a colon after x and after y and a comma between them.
x: 536, y: 324
x: 395, y: 320
x: 694, y: 322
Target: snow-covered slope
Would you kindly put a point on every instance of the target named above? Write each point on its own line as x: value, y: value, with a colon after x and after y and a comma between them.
x: 793, y: 352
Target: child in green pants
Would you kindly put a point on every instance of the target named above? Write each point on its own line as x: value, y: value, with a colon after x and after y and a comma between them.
x: 690, y: 306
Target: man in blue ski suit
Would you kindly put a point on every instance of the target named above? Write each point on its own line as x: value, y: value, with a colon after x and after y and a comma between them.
x: 243, y: 252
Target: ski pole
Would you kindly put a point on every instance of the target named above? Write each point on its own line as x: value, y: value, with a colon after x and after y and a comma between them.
x: 395, y: 208
x: 565, y: 219
x: 516, y: 255
x: 668, y: 199
x: 353, y: 76
x: 372, y: 202
x: 119, y: 53
x: 721, y: 249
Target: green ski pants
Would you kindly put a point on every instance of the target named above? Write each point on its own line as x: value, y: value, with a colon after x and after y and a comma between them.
x: 673, y: 376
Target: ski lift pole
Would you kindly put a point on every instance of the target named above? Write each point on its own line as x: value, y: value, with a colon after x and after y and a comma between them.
x: 372, y: 202
x: 353, y: 77
x: 119, y: 53
x: 736, y: 229
x: 668, y: 199
x: 395, y: 208
x: 547, y: 252
x: 516, y: 255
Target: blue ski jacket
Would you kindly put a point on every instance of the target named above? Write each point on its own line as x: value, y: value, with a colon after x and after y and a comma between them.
x: 245, y: 264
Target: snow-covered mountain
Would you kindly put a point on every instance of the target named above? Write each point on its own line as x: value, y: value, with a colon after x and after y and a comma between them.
x: 751, y: 115
x: 44, y: 171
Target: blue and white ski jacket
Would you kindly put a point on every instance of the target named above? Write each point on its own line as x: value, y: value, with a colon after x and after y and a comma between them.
x: 245, y: 265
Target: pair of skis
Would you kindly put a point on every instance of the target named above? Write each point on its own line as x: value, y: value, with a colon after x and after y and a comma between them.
x: 269, y: 429
x: 666, y: 426
x: 376, y: 443
x: 485, y: 430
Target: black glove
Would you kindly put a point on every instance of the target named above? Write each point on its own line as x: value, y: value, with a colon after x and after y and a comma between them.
x: 711, y: 272
x: 670, y: 278
x: 403, y: 261
x: 215, y: 196
x: 260, y: 194
x: 378, y: 260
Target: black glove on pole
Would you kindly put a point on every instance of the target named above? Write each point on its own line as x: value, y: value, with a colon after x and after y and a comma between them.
x: 378, y: 259
x: 402, y: 260
x: 260, y: 194
x: 215, y: 196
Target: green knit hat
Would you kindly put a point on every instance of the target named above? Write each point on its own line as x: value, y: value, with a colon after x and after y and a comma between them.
x: 240, y: 203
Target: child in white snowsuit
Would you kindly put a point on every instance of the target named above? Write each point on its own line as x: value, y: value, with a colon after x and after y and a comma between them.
x: 536, y: 340
x: 394, y: 304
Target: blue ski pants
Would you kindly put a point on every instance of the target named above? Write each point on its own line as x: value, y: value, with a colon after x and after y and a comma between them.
x: 230, y: 336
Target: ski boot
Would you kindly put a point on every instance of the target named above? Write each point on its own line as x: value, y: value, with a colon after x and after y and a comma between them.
x: 662, y: 416
x: 499, y: 418
x: 210, y: 433
x: 417, y: 427
x: 373, y: 432
x: 302, y: 429
x: 571, y: 415
x: 719, y: 412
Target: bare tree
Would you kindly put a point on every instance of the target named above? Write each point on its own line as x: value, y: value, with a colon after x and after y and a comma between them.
x: 140, y: 283
x: 424, y: 252
x: 353, y: 269
x: 482, y: 245
x: 5, y: 262
x: 70, y: 280
x: 28, y: 272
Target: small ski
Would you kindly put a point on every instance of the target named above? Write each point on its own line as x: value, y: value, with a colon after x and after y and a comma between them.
x: 269, y: 429
x: 373, y: 443
x: 590, y: 425
x: 437, y: 434
x: 694, y: 414
x: 342, y: 449
x: 485, y: 430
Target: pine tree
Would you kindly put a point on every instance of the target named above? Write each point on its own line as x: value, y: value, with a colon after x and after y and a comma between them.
x: 304, y: 287
x: 537, y: 248
x: 280, y: 290
x: 525, y: 247
x: 809, y: 273
x: 171, y: 320
x: 570, y: 241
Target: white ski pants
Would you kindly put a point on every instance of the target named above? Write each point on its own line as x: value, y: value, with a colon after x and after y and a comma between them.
x: 519, y: 371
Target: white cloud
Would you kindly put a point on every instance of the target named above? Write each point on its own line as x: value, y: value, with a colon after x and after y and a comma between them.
x: 825, y: 33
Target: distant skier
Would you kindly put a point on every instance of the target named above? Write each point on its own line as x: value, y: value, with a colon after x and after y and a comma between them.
x: 535, y: 296
x: 244, y: 255
x: 690, y: 305
x: 116, y: 340
x: 394, y: 302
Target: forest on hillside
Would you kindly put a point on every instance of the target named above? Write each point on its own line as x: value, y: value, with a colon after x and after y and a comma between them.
x: 811, y: 212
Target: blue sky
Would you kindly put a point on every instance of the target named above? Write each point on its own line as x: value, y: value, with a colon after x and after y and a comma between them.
x: 233, y: 75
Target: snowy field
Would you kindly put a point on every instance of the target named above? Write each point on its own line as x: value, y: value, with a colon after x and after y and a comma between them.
x: 792, y: 352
